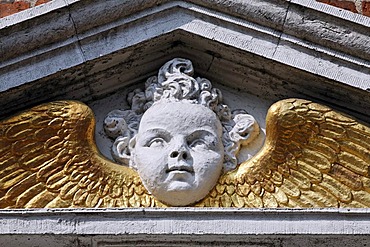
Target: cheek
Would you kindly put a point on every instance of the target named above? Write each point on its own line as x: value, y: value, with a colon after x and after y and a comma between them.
x: 208, y: 164
x: 150, y: 161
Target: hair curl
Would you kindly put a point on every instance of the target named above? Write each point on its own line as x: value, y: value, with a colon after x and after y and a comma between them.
x: 175, y: 82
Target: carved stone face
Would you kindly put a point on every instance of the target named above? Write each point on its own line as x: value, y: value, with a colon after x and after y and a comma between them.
x: 178, y: 152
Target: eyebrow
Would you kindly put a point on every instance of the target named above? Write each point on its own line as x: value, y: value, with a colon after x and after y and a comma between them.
x: 156, y: 131
x: 160, y: 131
x: 201, y: 131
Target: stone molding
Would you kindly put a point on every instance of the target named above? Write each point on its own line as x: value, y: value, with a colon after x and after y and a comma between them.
x: 186, y: 226
x: 186, y: 221
x: 85, y: 50
x: 62, y: 44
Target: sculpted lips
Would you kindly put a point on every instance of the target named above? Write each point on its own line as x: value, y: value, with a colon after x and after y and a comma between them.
x: 180, y: 168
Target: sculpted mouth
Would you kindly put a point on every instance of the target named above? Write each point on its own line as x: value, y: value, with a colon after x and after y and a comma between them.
x: 180, y: 169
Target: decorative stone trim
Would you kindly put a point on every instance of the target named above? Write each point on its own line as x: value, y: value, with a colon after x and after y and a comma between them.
x: 67, y: 53
x: 185, y: 226
x: 88, y: 49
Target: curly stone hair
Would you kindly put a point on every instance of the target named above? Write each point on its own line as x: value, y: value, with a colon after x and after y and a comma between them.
x: 175, y: 82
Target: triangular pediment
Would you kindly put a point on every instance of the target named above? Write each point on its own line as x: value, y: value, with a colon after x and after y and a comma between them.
x: 268, y: 49
x: 256, y: 51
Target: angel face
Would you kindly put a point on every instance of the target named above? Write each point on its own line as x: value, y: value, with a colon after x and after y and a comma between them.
x: 178, y: 152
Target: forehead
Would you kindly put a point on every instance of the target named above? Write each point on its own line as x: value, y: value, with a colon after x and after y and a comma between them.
x: 180, y: 116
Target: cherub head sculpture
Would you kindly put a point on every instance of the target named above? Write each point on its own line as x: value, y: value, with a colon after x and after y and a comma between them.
x: 179, y: 135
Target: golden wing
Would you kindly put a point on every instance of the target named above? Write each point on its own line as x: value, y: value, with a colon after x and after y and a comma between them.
x: 48, y: 158
x: 312, y: 157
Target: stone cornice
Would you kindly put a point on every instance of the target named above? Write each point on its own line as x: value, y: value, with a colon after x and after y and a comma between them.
x: 187, y: 221
x: 85, y: 50
x: 113, y: 227
x: 68, y: 40
x: 290, y: 17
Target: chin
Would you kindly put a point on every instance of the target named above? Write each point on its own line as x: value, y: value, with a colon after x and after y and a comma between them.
x: 180, y: 186
x: 180, y: 194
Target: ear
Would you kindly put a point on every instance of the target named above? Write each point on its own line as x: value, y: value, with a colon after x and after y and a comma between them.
x: 120, y: 150
x: 131, y: 147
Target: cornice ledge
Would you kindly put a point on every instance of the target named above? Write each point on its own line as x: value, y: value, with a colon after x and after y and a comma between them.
x: 185, y: 221
x: 292, y: 17
x: 63, y: 34
x: 184, y: 227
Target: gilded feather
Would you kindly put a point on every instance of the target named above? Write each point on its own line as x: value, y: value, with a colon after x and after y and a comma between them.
x: 312, y: 157
x: 49, y: 159
x: 317, y: 157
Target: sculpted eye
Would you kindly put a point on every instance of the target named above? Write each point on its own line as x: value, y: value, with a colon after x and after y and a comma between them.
x: 198, y: 143
x: 156, y: 142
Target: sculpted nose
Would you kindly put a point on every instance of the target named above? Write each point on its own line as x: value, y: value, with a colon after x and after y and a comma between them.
x: 181, y: 154
x: 180, y: 159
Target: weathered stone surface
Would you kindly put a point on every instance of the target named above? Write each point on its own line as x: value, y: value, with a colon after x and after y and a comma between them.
x: 275, y: 49
x: 8, y: 7
x: 180, y: 227
x: 256, y: 51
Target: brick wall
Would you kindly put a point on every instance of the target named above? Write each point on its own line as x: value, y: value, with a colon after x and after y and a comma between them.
x: 356, y: 6
x: 8, y: 7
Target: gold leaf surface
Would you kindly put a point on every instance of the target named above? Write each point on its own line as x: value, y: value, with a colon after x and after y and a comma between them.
x: 312, y: 157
